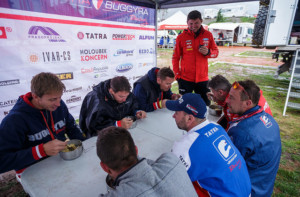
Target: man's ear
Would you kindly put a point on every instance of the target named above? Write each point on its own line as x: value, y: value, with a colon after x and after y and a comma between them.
x: 105, y: 167
x: 249, y: 103
x: 34, y: 95
x: 158, y: 80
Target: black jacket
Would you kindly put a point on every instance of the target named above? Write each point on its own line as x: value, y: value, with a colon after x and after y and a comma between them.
x: 99, y: 110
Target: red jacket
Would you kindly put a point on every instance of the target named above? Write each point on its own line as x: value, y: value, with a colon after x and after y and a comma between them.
x: 193, y: 65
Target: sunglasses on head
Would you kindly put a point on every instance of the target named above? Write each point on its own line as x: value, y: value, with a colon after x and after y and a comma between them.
x: 236, y: 85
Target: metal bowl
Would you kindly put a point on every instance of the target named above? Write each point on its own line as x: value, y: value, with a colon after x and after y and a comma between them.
x: 215, y: 110
x: 70, y: 155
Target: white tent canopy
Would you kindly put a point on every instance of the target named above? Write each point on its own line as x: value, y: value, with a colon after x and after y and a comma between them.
x: 176, y: 21
x: 223, y: 26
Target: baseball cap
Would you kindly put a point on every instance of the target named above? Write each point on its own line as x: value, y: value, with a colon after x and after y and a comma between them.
x: 190, y: 103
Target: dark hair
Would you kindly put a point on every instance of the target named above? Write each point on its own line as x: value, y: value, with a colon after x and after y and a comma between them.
x: 165, y: 72
x: 194, y: 15
x: 120, y: 83
x: 252, y: 89
x: 115, y: 148
x: 46, y: 83
x: 219, y: 82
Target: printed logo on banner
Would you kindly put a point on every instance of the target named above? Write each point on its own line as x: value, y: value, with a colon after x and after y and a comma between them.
x: 124, y: 52
x: 122, y: 7
x: 65, y: 76
x: 5, y: 113
x: 47, y: 33
x: 34, y: 58
x: 101, y: 75
x: 81, y: 3
x: 146, y: 37
x: 94, y: 70
x: 134, y: 18
x: 146, y: 51
x: 124, y: 67
x: 145, y: 64
x: 73, y: 90
x: 94, y: 36
x: 10, y: 82
x: 123, y: 37
x: 56, y: 56
x: 93, y: 54
x: 8, y: 103
x: 97, y: 4
x: 3, y: 31
x: 73, y: 99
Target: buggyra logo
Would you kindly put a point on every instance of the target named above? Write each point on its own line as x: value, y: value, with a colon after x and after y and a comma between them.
x: 47, y: 33
x: 120, y: 6
x: 224, y: 148
x: 124, y: 67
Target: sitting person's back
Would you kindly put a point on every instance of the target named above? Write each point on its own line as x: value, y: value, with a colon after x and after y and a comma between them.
x: 140, y: 177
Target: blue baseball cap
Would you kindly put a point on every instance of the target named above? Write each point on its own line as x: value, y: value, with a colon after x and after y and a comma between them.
x: 190, y: 103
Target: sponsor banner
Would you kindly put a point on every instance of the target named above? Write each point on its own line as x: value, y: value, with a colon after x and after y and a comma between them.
x: 109, y: 10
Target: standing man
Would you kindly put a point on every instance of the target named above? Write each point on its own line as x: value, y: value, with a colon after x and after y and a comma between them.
x: 256, y: 134
x: 214, y: 164
x: 36, y: 126
x: 154, y: 89
x: 193, y: 47
x: 220, y: 87
x: 109, y: 104
x: 133, y: 176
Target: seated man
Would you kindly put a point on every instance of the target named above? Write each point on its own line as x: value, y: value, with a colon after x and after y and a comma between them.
x: 109, y: 104
x: 256, y: 134
x: 220, y: 87
x: 213, y: 163
x: 153, y: 89
x: 36, y: 126
x: 133, y: 176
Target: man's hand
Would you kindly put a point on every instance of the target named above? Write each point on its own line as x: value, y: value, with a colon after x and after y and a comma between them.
x: 175, y: 96
x: 203, y: 50
x: 53, y: 147
x: 126, y: 123
x: 140, y: 114
x: 163, y: 103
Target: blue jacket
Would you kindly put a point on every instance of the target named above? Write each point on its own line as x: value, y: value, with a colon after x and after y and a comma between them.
x: 148, y: 92
x: 213, y: 162
x: 23, y: 132
x: 256, y: 135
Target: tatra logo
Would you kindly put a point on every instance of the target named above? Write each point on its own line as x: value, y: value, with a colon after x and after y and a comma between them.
x: 122, y: 7
x: 9, y: 82
x: 73, y: 99
x: 144, y: 37
x: 8, y: 103
x: 65, y: 76
x: 47, y: 32
x: 124, y: 67
x: 3, y: 33
x: 73, y: 90
x: 93, y: 54
x: 123, y: 37
x: 100, y: 36
x: 223, y: 147
x: 146, y: 51
x: 97, y: 3
x: 124, y: 52
x: 56, y: 56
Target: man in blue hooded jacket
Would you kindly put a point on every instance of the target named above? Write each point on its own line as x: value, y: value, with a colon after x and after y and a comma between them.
x: 36, y: 126
x: 153, y: 89
x: 256, y: 134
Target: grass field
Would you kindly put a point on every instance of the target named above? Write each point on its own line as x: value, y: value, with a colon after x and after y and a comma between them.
x: 274, y: 90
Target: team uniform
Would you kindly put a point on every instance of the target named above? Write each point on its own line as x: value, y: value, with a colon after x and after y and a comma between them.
x: 256, y: 135
x: 214, y: 164
x: 26, y: 129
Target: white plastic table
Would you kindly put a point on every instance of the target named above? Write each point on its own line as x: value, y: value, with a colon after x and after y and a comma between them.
x: 84, y: 176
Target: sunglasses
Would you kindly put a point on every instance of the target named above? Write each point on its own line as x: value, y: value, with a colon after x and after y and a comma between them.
x: 236, y: 85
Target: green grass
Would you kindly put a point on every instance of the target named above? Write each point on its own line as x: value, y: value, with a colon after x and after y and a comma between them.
x: 256, y: 54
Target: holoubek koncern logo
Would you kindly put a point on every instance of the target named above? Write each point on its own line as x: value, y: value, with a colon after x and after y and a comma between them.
x: 45, y: 33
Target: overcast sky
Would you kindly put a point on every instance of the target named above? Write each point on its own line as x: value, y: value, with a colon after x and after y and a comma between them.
x: 252, y: 8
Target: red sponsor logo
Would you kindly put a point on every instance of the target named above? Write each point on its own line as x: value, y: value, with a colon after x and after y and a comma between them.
x: 3, y: 33
x: 97, y: 3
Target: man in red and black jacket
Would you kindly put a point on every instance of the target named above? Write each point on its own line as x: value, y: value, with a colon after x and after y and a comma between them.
x: 35, y: 128
x: 193, y: 47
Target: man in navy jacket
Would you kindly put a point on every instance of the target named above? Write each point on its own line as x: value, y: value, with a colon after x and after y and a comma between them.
x: 36, y: 126
x: 153, y: 90
x: 256, y: 134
